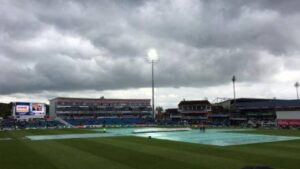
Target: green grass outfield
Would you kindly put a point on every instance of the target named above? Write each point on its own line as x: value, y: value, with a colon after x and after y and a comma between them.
x: 143, y: 153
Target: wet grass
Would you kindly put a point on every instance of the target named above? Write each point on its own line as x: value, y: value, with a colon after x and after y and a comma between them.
x: 133, y: 152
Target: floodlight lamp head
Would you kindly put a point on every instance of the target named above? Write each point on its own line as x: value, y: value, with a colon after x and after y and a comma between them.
x: 152, y: 55
x: 297, y: 84
x: 233, y: 78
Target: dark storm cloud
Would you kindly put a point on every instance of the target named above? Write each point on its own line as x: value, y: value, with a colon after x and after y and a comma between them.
x: 74, y: 45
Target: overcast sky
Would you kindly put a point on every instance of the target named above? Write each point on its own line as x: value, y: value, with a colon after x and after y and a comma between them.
x: 97, y: 48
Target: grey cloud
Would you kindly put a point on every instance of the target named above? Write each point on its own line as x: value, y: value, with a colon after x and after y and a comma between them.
x: 100, y: 45
x: 210, y: 25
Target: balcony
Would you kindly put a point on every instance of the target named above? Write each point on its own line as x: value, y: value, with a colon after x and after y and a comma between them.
x: 194, y: 111
x: 219, y: 115
x: 238, y: 118
x: 175, y: 116
x: 194, y: 118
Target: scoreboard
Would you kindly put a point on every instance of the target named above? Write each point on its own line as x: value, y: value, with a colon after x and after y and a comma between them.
x: 29, y: 110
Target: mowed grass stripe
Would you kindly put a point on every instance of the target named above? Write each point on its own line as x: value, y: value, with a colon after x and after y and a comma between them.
x: 293, y: 146
x: 17, y: 155
x: 272, y: 156
x: 244, y: 154
x: 64, y: 156
x: 128, y: 156
x: 194, y: 158
x: 272, y: 150
x: 203, y: 155
x: 134, y: 152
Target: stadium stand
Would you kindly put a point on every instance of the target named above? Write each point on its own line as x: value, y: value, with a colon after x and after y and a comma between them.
x: 89, y: 112
x: 108, y: 121
x: 9, y: 124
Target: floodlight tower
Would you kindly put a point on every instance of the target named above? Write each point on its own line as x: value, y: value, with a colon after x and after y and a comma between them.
x: 297, y: 86
x: 233, y: 84
x: 152, y: 58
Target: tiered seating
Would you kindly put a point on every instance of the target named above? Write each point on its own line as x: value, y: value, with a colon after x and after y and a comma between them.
x: 36, y: 123
x: 108, y: 121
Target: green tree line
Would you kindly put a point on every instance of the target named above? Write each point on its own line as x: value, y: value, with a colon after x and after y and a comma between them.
x: 5, y: 109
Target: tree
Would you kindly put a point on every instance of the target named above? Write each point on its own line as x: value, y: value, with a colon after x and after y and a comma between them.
x: 159, y: 114
x: 5, y: 109
x: 159, y: 109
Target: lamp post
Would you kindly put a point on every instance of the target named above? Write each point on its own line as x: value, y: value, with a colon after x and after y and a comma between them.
x: 233, y: 85
x: 297, y: 86
x: 152, y: 58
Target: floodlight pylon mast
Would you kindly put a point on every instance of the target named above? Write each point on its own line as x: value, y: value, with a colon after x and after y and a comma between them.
x: 152, y: 58
x: 233, y: 85
x: 297, y: 86
x: 153, y: 108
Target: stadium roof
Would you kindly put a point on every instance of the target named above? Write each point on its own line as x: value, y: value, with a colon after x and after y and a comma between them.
x: 269, y: 104
x: 96, y: 99
x: 193, y: 102
x: 241, y: 100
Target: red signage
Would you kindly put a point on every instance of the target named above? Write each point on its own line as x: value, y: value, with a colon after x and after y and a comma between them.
x: 288, y: 122
x: 22, y: 108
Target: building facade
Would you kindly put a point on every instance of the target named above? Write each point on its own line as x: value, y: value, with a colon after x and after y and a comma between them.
x: 195, y: 111
x: 255, y: 110
x: 99, y: 111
